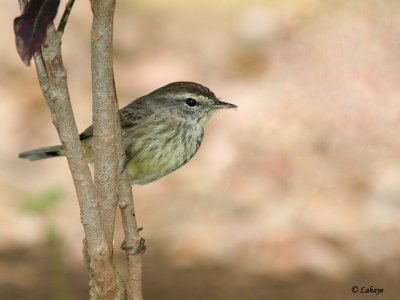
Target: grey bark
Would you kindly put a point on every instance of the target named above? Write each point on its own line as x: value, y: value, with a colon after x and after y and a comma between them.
x: 97, y: 200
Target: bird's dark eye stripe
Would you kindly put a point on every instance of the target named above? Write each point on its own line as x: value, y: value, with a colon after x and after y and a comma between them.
x: 190, y: 102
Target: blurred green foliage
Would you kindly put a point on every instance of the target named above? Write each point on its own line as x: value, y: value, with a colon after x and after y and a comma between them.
x: 44, y: 201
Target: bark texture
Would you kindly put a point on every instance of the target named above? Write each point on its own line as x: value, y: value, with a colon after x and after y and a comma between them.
x: 98, y: 200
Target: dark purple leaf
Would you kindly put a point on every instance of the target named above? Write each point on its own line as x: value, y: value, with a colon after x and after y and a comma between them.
x: 31, y: 27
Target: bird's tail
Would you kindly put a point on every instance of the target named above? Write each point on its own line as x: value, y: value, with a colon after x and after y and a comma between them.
x: 43, y: 153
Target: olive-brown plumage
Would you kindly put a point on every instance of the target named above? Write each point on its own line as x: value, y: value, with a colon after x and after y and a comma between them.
x: 161, y: 131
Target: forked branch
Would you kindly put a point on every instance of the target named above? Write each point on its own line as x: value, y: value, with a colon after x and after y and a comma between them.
x: 53, y: 82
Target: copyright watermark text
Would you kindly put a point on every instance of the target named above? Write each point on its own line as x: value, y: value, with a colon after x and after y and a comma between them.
x: 366, y: 290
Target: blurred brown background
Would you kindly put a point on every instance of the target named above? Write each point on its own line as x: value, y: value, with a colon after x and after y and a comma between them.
x: 295, y: 195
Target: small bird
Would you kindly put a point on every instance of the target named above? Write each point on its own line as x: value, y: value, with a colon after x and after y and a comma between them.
x: 161, y: 131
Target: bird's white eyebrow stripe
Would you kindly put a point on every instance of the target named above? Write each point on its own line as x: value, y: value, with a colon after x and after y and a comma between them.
x: 184, y: 95
x: 187, y: 95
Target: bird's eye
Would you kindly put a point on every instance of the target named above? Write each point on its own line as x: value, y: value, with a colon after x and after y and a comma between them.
x: 190, y: 102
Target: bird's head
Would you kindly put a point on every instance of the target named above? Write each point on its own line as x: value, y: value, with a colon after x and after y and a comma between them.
x: 188, y: 101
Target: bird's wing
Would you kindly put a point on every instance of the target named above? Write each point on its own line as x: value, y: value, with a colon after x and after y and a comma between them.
x: 130, y: 117
x: 127, y: 117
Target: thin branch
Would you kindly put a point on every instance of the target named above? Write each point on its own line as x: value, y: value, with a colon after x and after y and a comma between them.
x: 53, y: 81
x: 133, y: 243
x: 65, y: 16
x: 104, y: 114
x: 44, y: 81
x: 106, y: 282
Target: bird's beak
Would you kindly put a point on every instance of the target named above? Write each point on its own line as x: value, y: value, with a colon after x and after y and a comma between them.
x: 223, y: 105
